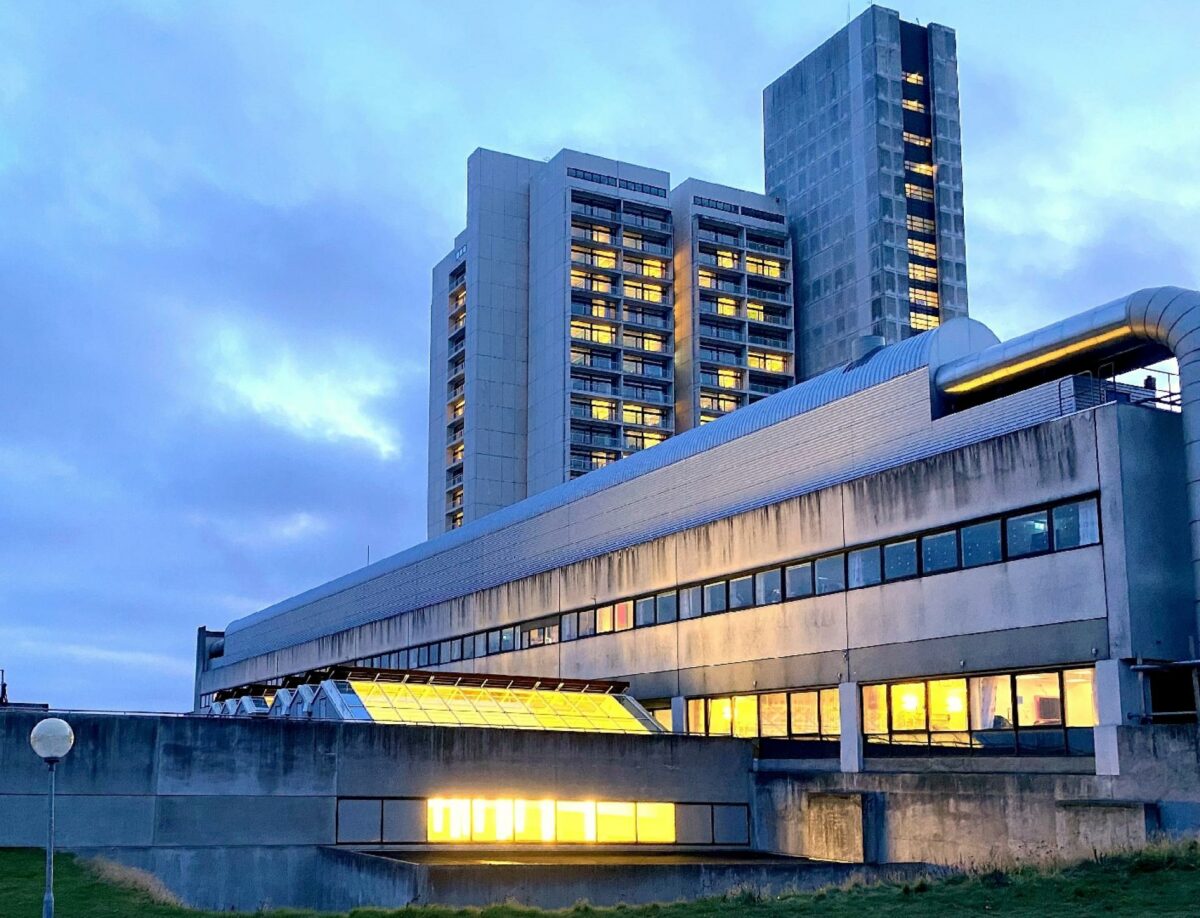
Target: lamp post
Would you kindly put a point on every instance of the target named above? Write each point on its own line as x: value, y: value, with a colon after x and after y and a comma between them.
x: 51, y: 739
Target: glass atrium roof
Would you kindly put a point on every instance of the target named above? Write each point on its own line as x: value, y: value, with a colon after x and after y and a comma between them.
x: 449, y: 699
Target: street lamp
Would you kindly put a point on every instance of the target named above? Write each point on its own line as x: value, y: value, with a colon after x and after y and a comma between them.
x: 51, y: 739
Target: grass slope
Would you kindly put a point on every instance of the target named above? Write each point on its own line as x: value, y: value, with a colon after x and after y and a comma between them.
x: 1159, y: 881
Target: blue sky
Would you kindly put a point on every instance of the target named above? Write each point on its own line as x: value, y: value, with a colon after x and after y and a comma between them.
x: 217, y: 223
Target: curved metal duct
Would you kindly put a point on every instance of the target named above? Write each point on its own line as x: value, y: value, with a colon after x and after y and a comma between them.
x: 1138, y: 329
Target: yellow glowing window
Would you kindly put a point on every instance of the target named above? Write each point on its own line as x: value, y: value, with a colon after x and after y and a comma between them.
x: 491, y: 820
x: 656, y: 823
x: 727, y: 306
x: 755, y: 311
x: 831, y: 712
x: 729, y: 379
x: 533, y: 821
x: 720, y: 717
x: 603, y: 411
x: 917, y: 140
x: 650, y: 292
x: 652, y: 268
x: 456, y: 453
x: 745, y: 715
x: 587, y: 281
x: 448, y: 820
x: 706, y: 278
x: 948, y: 705
x: 1080, y: 697
x: 919, y: 168
x: 605, y: 259
x: 922, y: 321
x: 616, y: 823
x: 774, y: 363
x: 918, y: 192
x: 917, y: 79
x: 804, y: 713
x: 727, y: 259
x: 913, y: 105
x: 908, y: 705
x: 768, y: 267
x: 663, y: 718
x: 575, y: 821
x: 922, y: 272
x: 591, y: 331
x: 920, y: 297
x: 920, y: 224
x: 773, y: 714
x: 695, y: 715
x: 705, y: 418
x: 1038, y: 701
x: 875, y: 709
x: 922, y: 249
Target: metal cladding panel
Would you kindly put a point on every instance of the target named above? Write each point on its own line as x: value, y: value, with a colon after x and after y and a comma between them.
x: 836, y: 427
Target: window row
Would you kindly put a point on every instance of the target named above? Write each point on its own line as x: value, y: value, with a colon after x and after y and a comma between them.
x: 1061, y: 526
x: 811, y: 715
x: 1007, y: 713
x: 601, y: 179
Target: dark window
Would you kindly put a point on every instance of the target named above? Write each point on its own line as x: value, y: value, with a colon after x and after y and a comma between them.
x: 981, y: 543
x: 1028, y: 533
x: 864, y: 567
x: 414, y: 658
x: 768, y: 587
x: 939, y: 552
x: 741, y: 593
x: 569, y: 628
x: 481, y: 642
x: 831, y: 574
x: 444, y: 652
x: 799, y: 580
x: 666, y: 607
x: 456, y: 649
x: 644, y: 614
x: 468, y: 647
x: 587, y: 623
x: 1076, y: 524
x: 508, y: 639
x: 493, y: 642
x: 714, y: 597
x: 690, y: 603
x: 423, y: 655
x: 900, y: 560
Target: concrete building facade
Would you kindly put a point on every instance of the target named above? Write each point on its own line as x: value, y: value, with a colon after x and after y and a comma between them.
x: 862, y: 143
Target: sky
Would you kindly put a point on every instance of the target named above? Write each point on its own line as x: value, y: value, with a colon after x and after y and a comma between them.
x: 218, y: 220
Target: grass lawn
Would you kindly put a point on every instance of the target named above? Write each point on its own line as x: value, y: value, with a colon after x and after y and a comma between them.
x: 1160, y: 881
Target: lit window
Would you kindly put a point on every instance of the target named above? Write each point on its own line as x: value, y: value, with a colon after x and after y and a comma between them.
x: 656, y: 823
x: 917, y: 140
x: 591, y: 331
x: 727, y: 259
x: 774, y: 363
x: 616, y: 823
x: 919, y: 297
x: 918, y: 272
x: 919, y: 168
x: 831, y: 713
x: 1038, y: 701
x: 907, y: 701
x: 705, y: 278
x: 745, y: 716
x: 729, y: 379
x: 1080, y: 697
x: 695, y: 715
x: 948, y: 705
x: 448, y: 820
x: 727, y: 306
x: 1076, y: 524
x: 913, y: 105
x: 916, y: 79
x: 720, y: 717
x: 918, y: 192
x: 917, y: 224
x: 767, y: 267
x: 491, y: 820
x: 533, y: 820
x: 804, y: 707
x: 922, y: 249
x: 755, y: 311
x: 651, y: 292
x: 773, y: 714
x: 575, y: 821
x: 623, y: 616
x: 875, y: 710
x: 922, y: 321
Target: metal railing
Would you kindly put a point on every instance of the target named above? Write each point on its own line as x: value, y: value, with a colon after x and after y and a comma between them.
x: 647, y: 319
x: 720, y: 238
x: 763, y: 340
x: 654, y: 370
x: 646, y: 395
x: 764, y: 294
x: 766, y: 247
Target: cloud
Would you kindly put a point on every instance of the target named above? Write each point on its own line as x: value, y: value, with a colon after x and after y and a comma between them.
x: 332, y: 397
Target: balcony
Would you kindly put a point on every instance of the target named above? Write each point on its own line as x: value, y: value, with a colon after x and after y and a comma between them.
x: 585, y: 234
x: 767, y: 318
x: 727, y: 334
x: 582, y: 438
x: 453, y: 481
x: 591, y: 210
x: 719, y: 238
x: 456, y: 390
x: 648, y: 222
x: 596, y: 362
x: 593, y: 285
x: 454, y: 434
x: 454, y: 502
x: 765, y: 388
x: 652, y: 370
x: 645, y: 245
x: 595, y: 260
x: 721, y: 285
x: 662, y: 298
x: 600, y: 414
x: 592, y: 311
x: 776, y: 296
x: 597, y: 386
x: 711, y: 309
x: 457, y: 347
x: 585, y: 464
x: 660, y: 273
x: 777, y: 343
x: 722, y: 357
x: 636, y: 343
x: 647, y: 319
x: 726, y: 264
x: 652, y: 396
x: 767, y: 248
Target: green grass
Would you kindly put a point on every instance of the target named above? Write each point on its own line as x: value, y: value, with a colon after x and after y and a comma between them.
x: 1162, y: 880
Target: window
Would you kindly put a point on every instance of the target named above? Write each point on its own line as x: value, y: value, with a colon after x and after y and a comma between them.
x: 919, y: 168
x: 481, y: 644
x: 720, y: 717
x: 922, y: 321
x: 948, y: 712
x: 1038, y: 700
x: 900, y: 560
x: 767, y: 587
x: 875, y: 710
x: 916, y: 79
x: 706, y: 278
x: 644, y: 611
x: 587, y: 622
x: 991, y: 703
x: 917, y: 192
x: 773, y: 714
x: 569, y: 626
x: 939, y: 552
x: 907, y: 702
x: 666, y: 607
x: 913, y: 105
x: 922, y: 249
x: 831, y: 713
x: 690, y: 603
x: 763, y: 215
x: 1079, y: 694
x: 917, y: 140
x: 768, y: 267
x: 805, y: 713
x: 981, y: 543
x: 745, y: 716
x: 919, y: 272
x: 773, y: 363
x: 695, y: 716
x: 864, y: 567
x: 623, y: 616
x: 831, y: 574
x: 604, y: 620
x: 714, y: 597
x: 920, y: 224
x: 493, y: 642
x: 590, y: 331
x: 741, y: 593
x: 508, y: 639
x: 468, y: 647
x: 1076, y: 524
x: 799, y: 580
x: 1028, y: 534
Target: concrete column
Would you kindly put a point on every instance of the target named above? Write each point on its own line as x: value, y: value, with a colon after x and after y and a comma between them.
x: 1116, y: 701
x: 852, y: 735
x: 679, y: 714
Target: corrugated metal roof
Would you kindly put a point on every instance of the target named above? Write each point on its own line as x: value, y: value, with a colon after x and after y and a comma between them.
x: 481, y: 554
